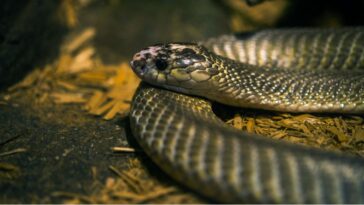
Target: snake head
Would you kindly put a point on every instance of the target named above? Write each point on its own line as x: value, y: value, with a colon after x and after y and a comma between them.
x: 181, y: 67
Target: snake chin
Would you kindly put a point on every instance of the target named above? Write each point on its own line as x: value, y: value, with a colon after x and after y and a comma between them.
x: 174, y: 88
x: 177, y: 89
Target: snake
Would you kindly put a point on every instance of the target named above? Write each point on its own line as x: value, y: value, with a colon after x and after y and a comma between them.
x: 298, y: 70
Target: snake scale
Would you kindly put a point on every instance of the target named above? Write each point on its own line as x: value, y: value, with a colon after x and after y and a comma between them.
x: 295, y: 70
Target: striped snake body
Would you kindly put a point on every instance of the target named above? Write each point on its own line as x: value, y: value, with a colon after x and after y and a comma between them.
x: 185, y: 138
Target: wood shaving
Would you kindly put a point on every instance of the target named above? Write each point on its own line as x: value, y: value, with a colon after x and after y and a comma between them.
x: 130, y: 187
x: 340, y: 132
x: 79, y: 77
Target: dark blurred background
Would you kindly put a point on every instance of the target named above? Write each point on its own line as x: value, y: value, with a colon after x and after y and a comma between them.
x: 31, y: 31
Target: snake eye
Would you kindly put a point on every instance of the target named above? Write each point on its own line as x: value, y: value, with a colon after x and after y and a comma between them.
x: 161, y: 64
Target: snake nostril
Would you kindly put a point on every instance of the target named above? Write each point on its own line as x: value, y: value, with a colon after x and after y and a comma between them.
x: 143, y: 68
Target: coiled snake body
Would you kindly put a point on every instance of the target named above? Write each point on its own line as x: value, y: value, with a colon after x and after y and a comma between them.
x: 296, y: 70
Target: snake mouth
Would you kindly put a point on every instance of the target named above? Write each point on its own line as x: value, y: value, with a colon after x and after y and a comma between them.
x: 177, y: 89
x: 139, y: 67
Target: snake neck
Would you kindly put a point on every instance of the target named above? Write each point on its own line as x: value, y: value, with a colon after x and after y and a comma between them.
x: 289, y: 90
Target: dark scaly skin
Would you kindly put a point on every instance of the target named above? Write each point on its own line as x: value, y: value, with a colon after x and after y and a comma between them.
x: 295, y: 48
x: 287, y: 90
x: 183, y: 136
x: 192, y: 69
